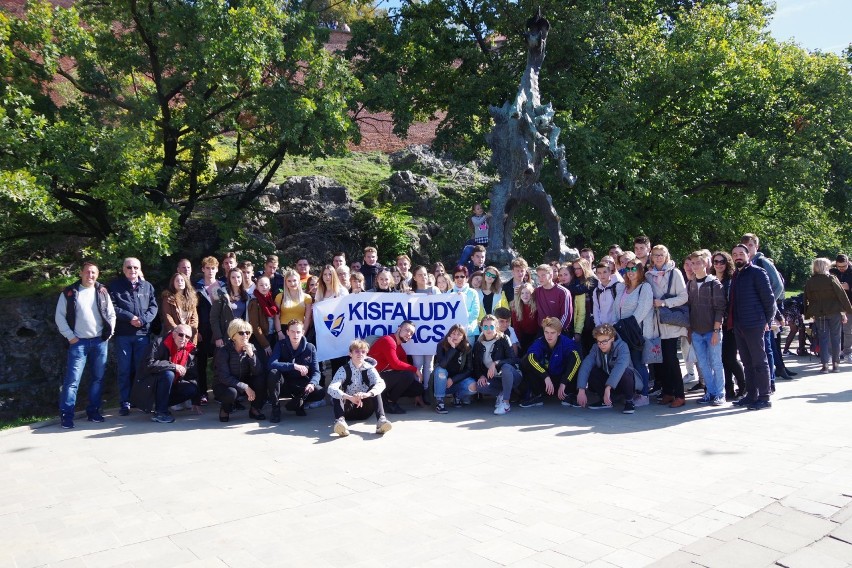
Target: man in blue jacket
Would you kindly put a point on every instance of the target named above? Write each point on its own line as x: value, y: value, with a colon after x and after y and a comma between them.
x: 135, y: 308
x: 294, y: 372
x: 751, y: 307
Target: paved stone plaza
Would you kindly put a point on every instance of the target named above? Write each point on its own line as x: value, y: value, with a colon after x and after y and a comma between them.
x: 551, y: 486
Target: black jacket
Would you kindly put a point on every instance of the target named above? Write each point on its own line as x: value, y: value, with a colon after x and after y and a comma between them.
x: 501, y: 352
x: 234, y: 369
x: 458, y: 364
x: 128, y: 302
x: 284, y: 357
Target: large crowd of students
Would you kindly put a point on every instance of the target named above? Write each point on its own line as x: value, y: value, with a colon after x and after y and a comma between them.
x: 588, y: 333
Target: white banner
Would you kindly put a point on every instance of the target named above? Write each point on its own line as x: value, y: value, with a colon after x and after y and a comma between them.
x: 339, y: 321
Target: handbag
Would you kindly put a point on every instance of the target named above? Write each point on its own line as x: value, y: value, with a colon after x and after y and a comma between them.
x: 143, y: 391
x: 678, y: 316
x: 629, y: 332
x: 652, y: 351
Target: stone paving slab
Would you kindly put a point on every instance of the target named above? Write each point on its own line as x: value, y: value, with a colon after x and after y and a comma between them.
x: 549, y: 486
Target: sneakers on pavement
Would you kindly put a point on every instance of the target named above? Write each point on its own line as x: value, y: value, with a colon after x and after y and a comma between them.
x: 629, y: 407
x: 125, y: 409
x: 502, y: 408
x: 571, y: 400
x: 457, y: 403
x: 759, y: 405
x: 341, y: 428
x: 163, y: 418
x: 641, y: 400
x: 441, y: 408
x: 383, y: 425
x: 706, y: 399
x: 718, y: 401
x: 532, y: 401
x: 66, y: 421
x: 599, y: 405
x: 95, y: 416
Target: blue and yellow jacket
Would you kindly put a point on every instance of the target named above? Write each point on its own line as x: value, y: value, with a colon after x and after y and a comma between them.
x: 560, y: 363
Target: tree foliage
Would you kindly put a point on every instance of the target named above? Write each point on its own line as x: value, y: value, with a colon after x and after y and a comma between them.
x: 684, y: 121
x: 109, y: 119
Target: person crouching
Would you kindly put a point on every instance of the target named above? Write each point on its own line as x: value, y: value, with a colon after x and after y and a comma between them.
x: 356, y: 390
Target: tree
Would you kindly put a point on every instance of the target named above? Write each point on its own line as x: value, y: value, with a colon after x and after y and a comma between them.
x: 114, y: 112
x: 683, y: 120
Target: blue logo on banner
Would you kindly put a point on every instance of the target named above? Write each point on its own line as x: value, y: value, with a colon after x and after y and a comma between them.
x: 334, y: 324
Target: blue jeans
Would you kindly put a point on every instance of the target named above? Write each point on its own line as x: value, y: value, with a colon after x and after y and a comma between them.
x: 770, y: 360
x: 509, y: 378
x: 828, y: 331
x: 709, y: 359
x: 640, y: 368
x: 461, y: 389
x: 131, y: 350
x: 93, y: 351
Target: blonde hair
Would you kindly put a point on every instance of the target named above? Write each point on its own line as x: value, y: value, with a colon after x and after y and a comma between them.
x: 237, y: 325
x: 287, y: 300
x: 552, y: 323
x: 518, y: 305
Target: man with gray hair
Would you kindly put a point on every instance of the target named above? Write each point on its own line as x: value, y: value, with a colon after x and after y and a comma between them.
x: 170, y: 377
x: 135, y: 309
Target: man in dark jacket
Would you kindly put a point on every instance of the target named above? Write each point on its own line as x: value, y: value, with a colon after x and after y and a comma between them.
x: 844, y: 275
x: 751, y: 307
x: 170, y: 370
x: 135, y: 309
x: 294, y: 372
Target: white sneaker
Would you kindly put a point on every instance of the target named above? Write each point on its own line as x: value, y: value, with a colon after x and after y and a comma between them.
x: 504, y: 408
x: 341, y: 428
x: 176, y: 407
x: 640, y: 400
x: 383, y: 425
x: 689, y: 378
x: 499, y: 402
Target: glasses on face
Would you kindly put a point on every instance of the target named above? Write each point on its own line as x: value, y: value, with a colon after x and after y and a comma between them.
x: 719, y: 261
x: 182, y: 335
x: 630, y: 269
x: 604, y: 341
x: 459, y: 277
x: 243, y: 333
x: 133, y: 268
x: 490, y: 275
x: 488, y: 328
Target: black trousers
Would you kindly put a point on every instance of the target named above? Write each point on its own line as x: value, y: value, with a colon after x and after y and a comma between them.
x: 755, y: 362
x: 399, y: 384
x: 228, y: 395
x: 534, y: 380
x: 626, y: 384
x: 667, y: 374
x: 346, y: 409
x: 731, y: 364
x: 290, y: 384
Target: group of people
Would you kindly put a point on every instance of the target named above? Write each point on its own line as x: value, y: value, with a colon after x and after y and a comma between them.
x: 610, y: 327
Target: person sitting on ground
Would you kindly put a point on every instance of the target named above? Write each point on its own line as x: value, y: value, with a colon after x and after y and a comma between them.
x: 356, y: 390
x: 401, y: 377
x: 504, y: 325
x: 453, y: 368
x: 551, y: 360
x: 239, y: 372
x: 607, y: 367
x: 293, y: 372
x: 171, y: 359
x: 494, y: 365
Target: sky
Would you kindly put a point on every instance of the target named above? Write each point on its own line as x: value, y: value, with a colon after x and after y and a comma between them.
x: 814, y: 24
x: 824, y: 25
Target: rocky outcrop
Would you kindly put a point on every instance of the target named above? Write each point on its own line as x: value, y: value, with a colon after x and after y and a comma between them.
x: 32, y: 359
x: 421, y: 160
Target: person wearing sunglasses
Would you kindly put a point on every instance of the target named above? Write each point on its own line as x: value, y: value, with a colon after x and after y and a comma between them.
x: 239, y: 372
x: 494, y: 365
x: 491, y: 294
x: 471, y: 301
x: 636, y: 299
x: 605, y: 369
x: 170, y: 376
